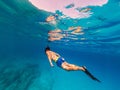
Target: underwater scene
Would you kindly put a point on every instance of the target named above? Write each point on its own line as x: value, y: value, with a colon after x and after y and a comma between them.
x: 84, y: 32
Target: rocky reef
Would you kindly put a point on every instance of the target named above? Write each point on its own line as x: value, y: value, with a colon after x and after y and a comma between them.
x: 28, y: 77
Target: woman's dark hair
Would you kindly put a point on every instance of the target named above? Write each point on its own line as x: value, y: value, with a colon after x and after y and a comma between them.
x: 47, y: 48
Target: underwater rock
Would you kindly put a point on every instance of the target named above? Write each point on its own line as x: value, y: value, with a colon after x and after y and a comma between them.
x: 27, y: 77
x: 18, y: 79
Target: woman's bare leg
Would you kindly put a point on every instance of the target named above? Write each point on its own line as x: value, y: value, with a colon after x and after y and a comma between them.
x: 70, y: 67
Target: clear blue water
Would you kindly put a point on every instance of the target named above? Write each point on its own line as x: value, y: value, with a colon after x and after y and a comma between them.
x: 23, y: 37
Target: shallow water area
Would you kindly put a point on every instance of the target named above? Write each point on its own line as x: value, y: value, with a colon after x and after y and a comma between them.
x: 24, y: 36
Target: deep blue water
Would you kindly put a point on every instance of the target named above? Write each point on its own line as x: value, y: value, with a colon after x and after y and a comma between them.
x: 23, y: 37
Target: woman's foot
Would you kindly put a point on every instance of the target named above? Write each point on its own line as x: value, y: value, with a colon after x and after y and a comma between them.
x: 83, y: 68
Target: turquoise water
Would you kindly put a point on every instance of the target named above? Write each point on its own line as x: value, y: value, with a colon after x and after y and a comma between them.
x: 23, y: 37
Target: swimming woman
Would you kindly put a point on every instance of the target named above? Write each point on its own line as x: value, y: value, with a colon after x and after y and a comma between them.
x: 53, y: 56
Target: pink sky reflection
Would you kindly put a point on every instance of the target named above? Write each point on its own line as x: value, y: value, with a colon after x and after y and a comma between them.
x: 52, y: 5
